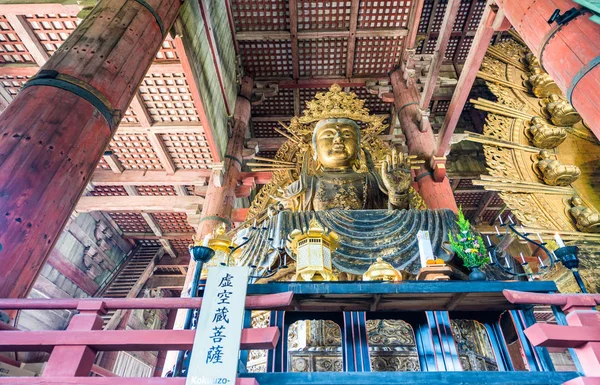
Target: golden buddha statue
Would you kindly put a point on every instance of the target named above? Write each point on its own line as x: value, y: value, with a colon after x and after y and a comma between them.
x: 544, y: 136
x: 586, y: 219
x: 561, y: 112
x: 335, y: 178
x: 542, y: 84
x: 555, y: 173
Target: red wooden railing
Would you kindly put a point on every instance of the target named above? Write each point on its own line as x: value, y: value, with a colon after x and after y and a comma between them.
x: 582, y: 332
x: 73, y: 350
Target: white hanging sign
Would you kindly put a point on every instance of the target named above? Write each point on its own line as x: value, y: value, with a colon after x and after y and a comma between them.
x: 215, y: 353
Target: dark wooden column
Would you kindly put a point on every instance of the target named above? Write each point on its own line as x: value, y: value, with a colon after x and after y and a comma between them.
x: 55, y: 131
x: 432, y: 182
x: 220, y: 196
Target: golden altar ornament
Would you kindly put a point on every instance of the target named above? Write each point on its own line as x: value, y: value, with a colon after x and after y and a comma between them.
x: 313, y: 250
x: 586, y: 219
x: 222, y: 244
x: 555, y: 173
x: 381, y: 270
x: 543, y: 135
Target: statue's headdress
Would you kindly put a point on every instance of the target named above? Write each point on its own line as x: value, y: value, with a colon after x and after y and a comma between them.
x: 337, y: 104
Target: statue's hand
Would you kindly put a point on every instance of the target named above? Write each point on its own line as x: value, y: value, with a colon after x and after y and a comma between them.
x: 395, y: 173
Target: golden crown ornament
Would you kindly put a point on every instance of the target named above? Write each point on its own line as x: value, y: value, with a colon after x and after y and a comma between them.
x: 336, y: 104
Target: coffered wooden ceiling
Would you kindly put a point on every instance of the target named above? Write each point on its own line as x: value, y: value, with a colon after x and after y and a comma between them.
x: 302, y: 46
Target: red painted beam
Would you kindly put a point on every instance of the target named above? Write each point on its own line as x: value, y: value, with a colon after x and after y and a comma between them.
x: 258, y: 302
x: 560, y: 336
x: 567, y: 301
x: 127, y: 340
x: 102, y: 371
x: 584, y: 381
x: 107, y: 381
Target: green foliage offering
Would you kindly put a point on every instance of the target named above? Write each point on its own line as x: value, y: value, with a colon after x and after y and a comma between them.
x: 467, y: 245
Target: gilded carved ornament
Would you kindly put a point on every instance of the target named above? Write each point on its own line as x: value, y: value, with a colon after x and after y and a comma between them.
x: 538, y: 152
x: 333, y: 158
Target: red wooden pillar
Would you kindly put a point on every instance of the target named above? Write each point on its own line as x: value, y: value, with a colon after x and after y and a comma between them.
x: 54, y: 132
x: 77, y: 361
x: 220, y: 196
x: 570, y: 52
x: 433, y: 185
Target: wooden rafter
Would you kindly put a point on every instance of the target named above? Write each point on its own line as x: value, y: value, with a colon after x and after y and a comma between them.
x: 158, y: 128
x: 32, y: 7
x: 478, y: 49
x: 415, y: 19
x: 312, y: 35
x: 161, y: 178
x: 153, y: 225
x: 483, y: 205
x: 139, y: 204
x: 214, y: 51
x: 439, y: 53
x: 352, y: 38
x: 23, y: 29
x: 293, y: 36
x: 5, y: 97
x: 159, y: 147
x: 195, y: 92
x: 113, y: 162
x: 29, y: 69
x: 140, y: 110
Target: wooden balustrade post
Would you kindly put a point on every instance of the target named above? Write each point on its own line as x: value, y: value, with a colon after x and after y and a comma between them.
x: 77, y: 361
x: 54, y: 132
x: 589, y: 353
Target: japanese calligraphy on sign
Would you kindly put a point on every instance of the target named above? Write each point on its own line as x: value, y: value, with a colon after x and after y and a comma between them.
x: 216, y: 348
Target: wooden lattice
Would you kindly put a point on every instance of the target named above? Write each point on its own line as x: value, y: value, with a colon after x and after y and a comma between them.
x: 426, y: 15
x: 168, y: 99
x: 260, y: 15
x: 108, y: 191
x: 308, y: 94
x: 188, y: 151
x: 265, y: 129
x: 281, y: 104
x: 149, y: 242
x: 478, y: 8
x: 442, y: 106
x: 156, y: 190
x: 322, y: 57
x: 269, y: 58
x: 131, y: 222
x: 167, y: 51
x: 463, y: 50
x: 468, y: 199
x: 13, y: 84
x: 452, y: 46
x: 377, y: 55
x: 462, y: 16
x: 12, y: 49
x: 438, y: 16
x: 384, y: 14
x: 173, y: 222
x: 267, y: 154
x: 52, y: 30
x: 134, y: 152
x: 323, y: 15
x: 372, y: 102
x: 181, y: 246
x: 129, y: 117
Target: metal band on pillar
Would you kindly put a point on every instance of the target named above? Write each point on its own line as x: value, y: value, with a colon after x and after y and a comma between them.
x: 235, y: 159
x: 579, y: 75
x: 156, y: 17
x: 80, y: 88
x: 406, y: 105
x: 553, y: 32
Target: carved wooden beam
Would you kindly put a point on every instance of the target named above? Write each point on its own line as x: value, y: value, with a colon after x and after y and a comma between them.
x: 113, y: 162
x: 311, y: 35
x: 352, y: 38
x: 293, y: 36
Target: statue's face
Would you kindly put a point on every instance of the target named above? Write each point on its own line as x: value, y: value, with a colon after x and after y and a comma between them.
x: 337, y: 145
